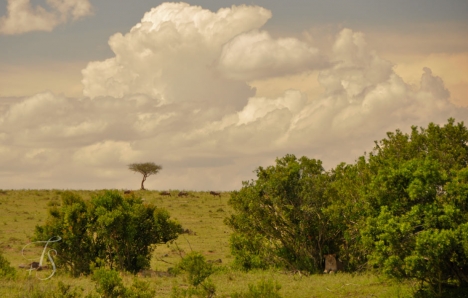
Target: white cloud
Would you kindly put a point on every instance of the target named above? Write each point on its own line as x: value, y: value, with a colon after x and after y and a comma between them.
x: 75, y: 9
x: 356, y: 68
x: 43, y: 156
x: 23, y: 17
x: 433, y: 85
x: 363, y: 99
x: 175, y: 42
x: 105, y: 153
x: 256, y: 55
x: 164, y: 98
x: 259, y: 107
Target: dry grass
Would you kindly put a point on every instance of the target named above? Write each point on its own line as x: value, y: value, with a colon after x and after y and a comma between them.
x: 202, y: 214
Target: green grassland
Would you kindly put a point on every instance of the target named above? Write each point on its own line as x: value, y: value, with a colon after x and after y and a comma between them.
x: 202, y: 215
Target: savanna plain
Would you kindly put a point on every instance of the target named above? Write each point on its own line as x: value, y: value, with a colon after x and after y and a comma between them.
x: 202, y: 217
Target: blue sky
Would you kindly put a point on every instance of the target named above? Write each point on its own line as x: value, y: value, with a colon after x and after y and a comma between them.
x: 213, y: 89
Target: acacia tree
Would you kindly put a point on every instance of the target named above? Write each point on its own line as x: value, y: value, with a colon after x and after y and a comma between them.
x: 146, y: 169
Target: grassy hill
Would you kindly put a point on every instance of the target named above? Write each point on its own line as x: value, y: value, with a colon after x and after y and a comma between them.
x: 201, y: 215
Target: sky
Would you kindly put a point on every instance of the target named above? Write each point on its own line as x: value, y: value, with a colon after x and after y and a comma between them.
x: 213, y: 89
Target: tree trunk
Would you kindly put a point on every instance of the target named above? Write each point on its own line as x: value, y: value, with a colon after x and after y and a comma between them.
x: 142, y: 182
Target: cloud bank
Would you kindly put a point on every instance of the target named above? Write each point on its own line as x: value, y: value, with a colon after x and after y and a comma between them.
x: 177, y: 93
x: 24, y: 17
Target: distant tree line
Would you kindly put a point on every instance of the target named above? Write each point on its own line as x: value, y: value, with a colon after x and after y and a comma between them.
x: 402, y: 210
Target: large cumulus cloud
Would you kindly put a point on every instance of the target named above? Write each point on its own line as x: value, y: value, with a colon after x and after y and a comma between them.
x: 169, y: 55
x: 177, y: 93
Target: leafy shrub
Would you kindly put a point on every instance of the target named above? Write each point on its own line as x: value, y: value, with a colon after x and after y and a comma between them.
x: 195, y: 265
x: 281, y: 218
x: 418, y: 227
x: 6, y: 271
x: 107, y: 230
x: 67, y: 291
x: 403, y: 210
x: 263, y: 289
x: 140, y: 289
x: 250, y: 251
x: 109, y: 285
x: 198, y: 271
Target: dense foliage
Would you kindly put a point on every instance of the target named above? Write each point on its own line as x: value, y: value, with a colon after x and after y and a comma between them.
x: 403, y: 210
x: 198, y: 271
x: 107, y: 230
x: 282, y: 217
x: 418, y: 224
x: 6, y: 271
x: 110, y: 285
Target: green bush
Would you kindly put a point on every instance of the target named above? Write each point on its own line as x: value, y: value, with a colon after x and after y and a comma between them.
x: 418, y: 225
x: 250, y: 251
x: 198, y: 270
x: 281, y: 219
x: 263, y: 289
x: 107, y: 230
x: 66, y: 291
x: 141, y: 289
x: 402, y: 209
x: 6, y: 271
x: 109, y: 285
x: 196, y: 267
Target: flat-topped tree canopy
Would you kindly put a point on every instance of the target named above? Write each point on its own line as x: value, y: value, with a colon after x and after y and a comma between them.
x: 146, y: 169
